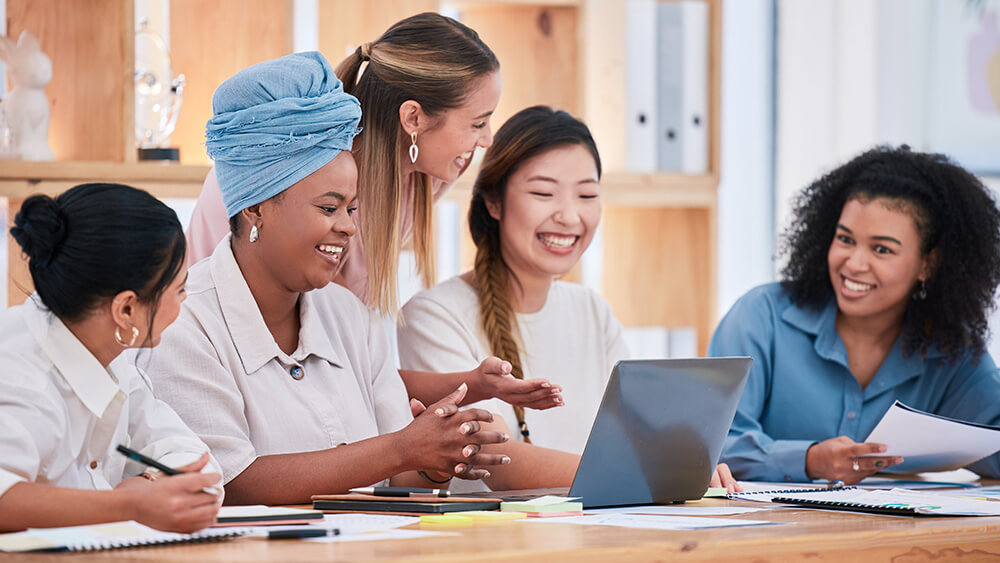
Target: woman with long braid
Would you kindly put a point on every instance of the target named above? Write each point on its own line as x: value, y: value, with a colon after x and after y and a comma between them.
x: 535, y: 208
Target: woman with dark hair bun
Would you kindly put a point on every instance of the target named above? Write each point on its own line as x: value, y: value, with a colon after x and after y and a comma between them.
x: 107, y: 262
x: 893, y: 261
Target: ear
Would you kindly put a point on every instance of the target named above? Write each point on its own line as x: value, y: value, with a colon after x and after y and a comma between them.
x: 494, y: 208
x: 931, y: 261
x: 252, y: 214
x: 123, y: 308
x: 412, y: 117
x: 28, y: 42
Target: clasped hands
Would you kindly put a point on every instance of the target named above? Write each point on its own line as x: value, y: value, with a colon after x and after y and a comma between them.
x: 447, y: 441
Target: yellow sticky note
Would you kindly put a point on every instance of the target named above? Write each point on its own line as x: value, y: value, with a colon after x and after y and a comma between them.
x: 446, y: 520
x: 487, y: 516
x: 715, y: 492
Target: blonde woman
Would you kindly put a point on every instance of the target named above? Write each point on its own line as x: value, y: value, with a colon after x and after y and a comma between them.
x: 535, y: 207
x: 420, y: 125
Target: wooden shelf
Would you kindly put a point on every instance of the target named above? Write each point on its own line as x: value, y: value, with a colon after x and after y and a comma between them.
x: 164, y: 180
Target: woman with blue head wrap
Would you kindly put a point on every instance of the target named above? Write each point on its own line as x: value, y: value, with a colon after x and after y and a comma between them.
x: 271, y: 364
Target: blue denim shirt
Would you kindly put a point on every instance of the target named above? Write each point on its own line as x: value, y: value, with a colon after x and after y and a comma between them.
x: 801, y: 391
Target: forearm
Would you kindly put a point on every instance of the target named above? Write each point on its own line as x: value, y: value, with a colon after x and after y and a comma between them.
x: 531, y: 467
x: 754, y: 456
x: 33, y: 505
x: 294, y: 478
x: 428, y: 387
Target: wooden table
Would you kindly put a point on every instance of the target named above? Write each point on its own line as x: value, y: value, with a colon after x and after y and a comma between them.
x: 814, y: 536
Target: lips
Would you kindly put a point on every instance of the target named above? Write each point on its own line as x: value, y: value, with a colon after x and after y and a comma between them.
x: 331, y: 252
x: 558, y: 243
x: 462, y: 160
x: 855, y: 288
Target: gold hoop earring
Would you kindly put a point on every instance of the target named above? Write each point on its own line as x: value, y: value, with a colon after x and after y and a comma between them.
x: 414, y: 151
x: 121, y: 341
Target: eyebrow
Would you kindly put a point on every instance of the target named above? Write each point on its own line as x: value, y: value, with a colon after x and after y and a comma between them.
x: 883, y: 238
x: 487, y: 114
x: 334, y: 195
x: 539, y: 177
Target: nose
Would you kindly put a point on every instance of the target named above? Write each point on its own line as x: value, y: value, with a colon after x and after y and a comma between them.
x: 486, y: 138
x: 568, y: 212
x: 857, y: 260
x: 345, y: 225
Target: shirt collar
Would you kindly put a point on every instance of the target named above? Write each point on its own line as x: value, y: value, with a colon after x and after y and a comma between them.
x: 821, y: 322
x: 90, y: 381
x: 253, y: 341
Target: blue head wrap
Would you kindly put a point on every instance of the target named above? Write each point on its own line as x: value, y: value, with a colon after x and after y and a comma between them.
x: 276, y: 123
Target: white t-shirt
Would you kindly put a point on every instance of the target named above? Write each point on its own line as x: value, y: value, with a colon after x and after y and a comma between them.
x: 62, y: 414
x: 219, y: 367
x: 573, y: 341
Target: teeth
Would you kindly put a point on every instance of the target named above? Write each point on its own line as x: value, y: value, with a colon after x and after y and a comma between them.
x: 331, y: 249
x: 558, y: 241
x: 855, y: 286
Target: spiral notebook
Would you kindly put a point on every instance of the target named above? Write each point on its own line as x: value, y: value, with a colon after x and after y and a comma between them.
x: 901, y: 502
x: 105, y: 536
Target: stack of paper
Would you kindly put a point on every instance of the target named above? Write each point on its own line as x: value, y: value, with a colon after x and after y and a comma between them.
x: 545, y: 507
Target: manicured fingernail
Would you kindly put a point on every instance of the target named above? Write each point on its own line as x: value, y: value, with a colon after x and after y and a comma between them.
x: 546, y: 385
x: 463, y: 386
x: 459, y: 468
x: 485, y: 475
x: 504, y: 460
x: 506, y: 366
x: 439, y: 412
x: 466, y: 428
x: 468, y: 450
x: 881, y: 448
x: 504, y: 437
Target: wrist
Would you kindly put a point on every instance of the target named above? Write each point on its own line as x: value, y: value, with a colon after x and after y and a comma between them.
x: 126, y: 504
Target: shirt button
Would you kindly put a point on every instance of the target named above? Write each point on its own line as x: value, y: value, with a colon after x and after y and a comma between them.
x: 851, y: 415
x: 93, y: 465
x: 297, y: 373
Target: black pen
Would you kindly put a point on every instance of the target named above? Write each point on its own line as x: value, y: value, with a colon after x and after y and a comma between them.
x: 402, y: 492
x: 304, y: 532
x: 136, y: 456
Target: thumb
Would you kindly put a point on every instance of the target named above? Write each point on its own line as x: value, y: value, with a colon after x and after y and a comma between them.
x: 455, y: 397
x: 495, y: 366
x: 416, y: 407
x: 195, y: 465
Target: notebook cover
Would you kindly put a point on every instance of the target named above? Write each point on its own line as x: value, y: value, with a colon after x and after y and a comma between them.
x: 389, y: 504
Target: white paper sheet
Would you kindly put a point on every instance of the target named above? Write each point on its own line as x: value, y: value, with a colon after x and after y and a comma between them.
x: 381, y: 536
x: 653, y: 522
x: 931, y: 443
x: 679, y: 510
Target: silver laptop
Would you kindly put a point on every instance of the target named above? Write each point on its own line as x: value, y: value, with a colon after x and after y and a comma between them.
x: 658, y: 434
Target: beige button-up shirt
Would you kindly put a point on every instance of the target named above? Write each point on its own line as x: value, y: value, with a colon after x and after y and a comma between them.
x: 219, y: 367
x: 62, y: 414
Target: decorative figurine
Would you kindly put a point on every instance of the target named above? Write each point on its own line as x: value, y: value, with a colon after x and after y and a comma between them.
x: 26, y: 106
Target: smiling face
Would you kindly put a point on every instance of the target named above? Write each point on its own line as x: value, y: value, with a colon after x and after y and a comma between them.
x: 446, y: 148
x: 550, y: 211
x: 875, y: 258
x: 304, y: 231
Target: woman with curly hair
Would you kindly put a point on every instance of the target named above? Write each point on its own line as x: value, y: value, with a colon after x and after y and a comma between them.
x: 893, y: 260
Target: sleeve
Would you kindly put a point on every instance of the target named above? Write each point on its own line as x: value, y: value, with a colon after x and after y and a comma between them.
x: 156, y: 431
x: 749, y: 330
x: 392, y: 405
x: 614, y: 334
x: 209, y: 221
x: 187, y: 374
x: 32, y: 433
x: 432, y: 338
x: 974, y: 395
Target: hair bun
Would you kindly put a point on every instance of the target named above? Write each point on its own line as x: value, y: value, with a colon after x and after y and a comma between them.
x: 40, y: 228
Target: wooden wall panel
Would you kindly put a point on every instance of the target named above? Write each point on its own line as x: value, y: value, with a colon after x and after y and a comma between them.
x: 90, y: 45
x: 659, y: 267
x: 211, y: 41
x: 345, y: 24
x: 538, y: 52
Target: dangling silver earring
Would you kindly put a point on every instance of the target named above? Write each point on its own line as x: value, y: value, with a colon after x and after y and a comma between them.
x: 254, y: 235
x: 414, y: 151
x: 921, y: 293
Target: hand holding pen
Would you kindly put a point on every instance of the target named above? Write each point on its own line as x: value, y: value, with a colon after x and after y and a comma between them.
x: 177, y: 502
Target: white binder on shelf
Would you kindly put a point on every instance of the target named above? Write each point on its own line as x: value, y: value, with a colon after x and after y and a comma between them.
x: 641, y: 128
x: 682, y: 86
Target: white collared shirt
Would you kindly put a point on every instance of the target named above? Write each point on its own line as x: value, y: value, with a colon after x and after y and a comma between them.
x: 62, y: 414
x: 219, y: 367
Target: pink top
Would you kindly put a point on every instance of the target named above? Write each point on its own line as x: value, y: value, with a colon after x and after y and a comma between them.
x: 209, y: 223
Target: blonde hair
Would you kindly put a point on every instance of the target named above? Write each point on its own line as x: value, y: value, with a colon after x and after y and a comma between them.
x: 434, y: 61
x: 529, y: 133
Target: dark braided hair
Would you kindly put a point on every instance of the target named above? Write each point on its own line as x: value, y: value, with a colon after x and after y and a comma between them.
x: 955, y: 215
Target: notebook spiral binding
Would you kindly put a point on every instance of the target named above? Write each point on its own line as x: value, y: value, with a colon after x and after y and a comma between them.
x: 851, y: 506
x: 786, y: 492
x: 144, y: 542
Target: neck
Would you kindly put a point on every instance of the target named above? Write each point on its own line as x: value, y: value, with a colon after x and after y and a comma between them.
x: 97, y: 334
x: 878, y: 330
x: 276, y: 302
x: 528, y: 293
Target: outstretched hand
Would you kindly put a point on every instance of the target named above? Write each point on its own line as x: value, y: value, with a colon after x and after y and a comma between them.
x: 495, y: 380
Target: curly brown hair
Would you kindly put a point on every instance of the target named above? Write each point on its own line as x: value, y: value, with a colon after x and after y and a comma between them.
x: 955, y: 215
